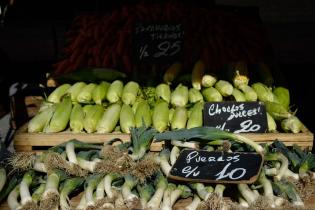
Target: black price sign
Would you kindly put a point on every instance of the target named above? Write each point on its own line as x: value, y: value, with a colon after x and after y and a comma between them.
x: 155, y: 42
x: 237, y: 117
x: 217, y: 167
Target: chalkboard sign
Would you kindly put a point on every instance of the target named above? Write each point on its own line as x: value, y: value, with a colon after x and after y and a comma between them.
x: 157, y: 42
x: 216, y: 167
x: 237, y: 117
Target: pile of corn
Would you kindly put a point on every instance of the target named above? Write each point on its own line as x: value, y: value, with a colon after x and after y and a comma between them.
x: 108, y: 107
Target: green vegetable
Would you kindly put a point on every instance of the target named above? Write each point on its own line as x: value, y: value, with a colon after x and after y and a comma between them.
x: 292, y: 124
x: 211, y: 94
x: 3, y: 178
x: 249, y: 93
x: 141, y: 139
x: 194, y: 95
x: 100, y: 92
x: 126, y: 189
x: 126, y: 119
x: 75, y: 90
x: 163, y: 91
x: 179, y: 118
x: 38, y: 193
x: 109, y: 119
x: 58, y: 93
x: 69, y: 186
x: 195, y: 118
x: 145, y: 191
x: 208, y: 80
x: 263, y: 92
x: 283, y: 96
x: 160, y: 116
x: 206, y: 134
x: 85, y: 95
x: 160, y: 183
x: 77, y: 118
x: 163, y: 159
x: 179, y: 97
x: 130, y: 93
x: 238, y: 95
x: 143, y: 114
x: 224, y: 87
x: 276, y: 110
x: 92, y: 118
x: 40, y: 120
x: 115, y: 91
x: 272, y: 126
x: 61, y: 117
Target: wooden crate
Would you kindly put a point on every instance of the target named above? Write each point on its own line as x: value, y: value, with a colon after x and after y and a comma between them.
x: 24, y: 141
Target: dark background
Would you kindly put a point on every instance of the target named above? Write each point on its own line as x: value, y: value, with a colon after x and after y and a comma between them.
x: 32, y: 36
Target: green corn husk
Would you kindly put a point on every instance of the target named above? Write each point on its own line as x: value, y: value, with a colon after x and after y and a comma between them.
x: 272, y: 126
x: 263, y: 92
x: 61, y: 117
x: 130, y: 92
x: 92, y: 117
x: 195, y: 117
x: 170, y: 114
x: 212, y: 94
x: 276, y: 110
x: 238, y: 95
x: 208, y: 80
x: 87, y: 108
x: 100, y: 91
x: 85, y: 96
x: 163, y: 91
x: 292, y: 124
x: 58, y: 93
x: 160, y: 116
x: 136, y: 104
x: 224, y: 87
x: 143, y: 114
x: 194, y: 95
x: 249, y: 93
x: 115, y: 91
x: 126, y: 119
x: 283, y: 96
x: 179, y: 97
x: 179, y: 119
x: 109, y: 119
x: 77, y: 118
x: 75, y: 90
x: 39, y: 121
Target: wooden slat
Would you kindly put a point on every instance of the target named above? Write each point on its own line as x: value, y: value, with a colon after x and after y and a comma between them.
x: 24, y: 141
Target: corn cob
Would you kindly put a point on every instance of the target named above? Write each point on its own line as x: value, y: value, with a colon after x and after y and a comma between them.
x: 179, y: 119
x: 115, y: 90
x: 130, y: 93
x: 249, y: 93
x: 109, y: 119
x: 211, y: 94
x: 283, y: 96
x: 143, y: 114
x: 126, y: 119
x: 39, y: 121
x: 195, y: 117
x: 160, y: 116
x: 292, y: 124
x: 87, y: 108
x: 172, y: 72
x: 197, y: 74
x: 263, y: 92
x: 208, y: 80
x: 93, y: 115
x: 56, y: 95
x: 163, y: 91
x: 77, y: 118
x: 85, y: 96
x: 276, y: 110
x: 170, y: 115
x: 75, y: 89
x: 194, y: 95
x: 239, y: 74
x: 238, y: 95
x: 61, y: 116
x: 224, y: 87
x: 272, y: 126
x: 136, y: 104
x: 100, y: 91
x: 179, y: 96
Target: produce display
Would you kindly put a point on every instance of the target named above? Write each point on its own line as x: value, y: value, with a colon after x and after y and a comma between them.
x: 117, y: 106
x: 126, y: 175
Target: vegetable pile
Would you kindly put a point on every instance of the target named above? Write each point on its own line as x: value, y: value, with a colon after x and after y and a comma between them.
x: 116, y: 106
x: 120, y: 175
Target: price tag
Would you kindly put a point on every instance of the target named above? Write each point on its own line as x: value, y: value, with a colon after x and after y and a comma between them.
x: 154, y: 42
x: 237, y: 117
x: 216, y: 167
